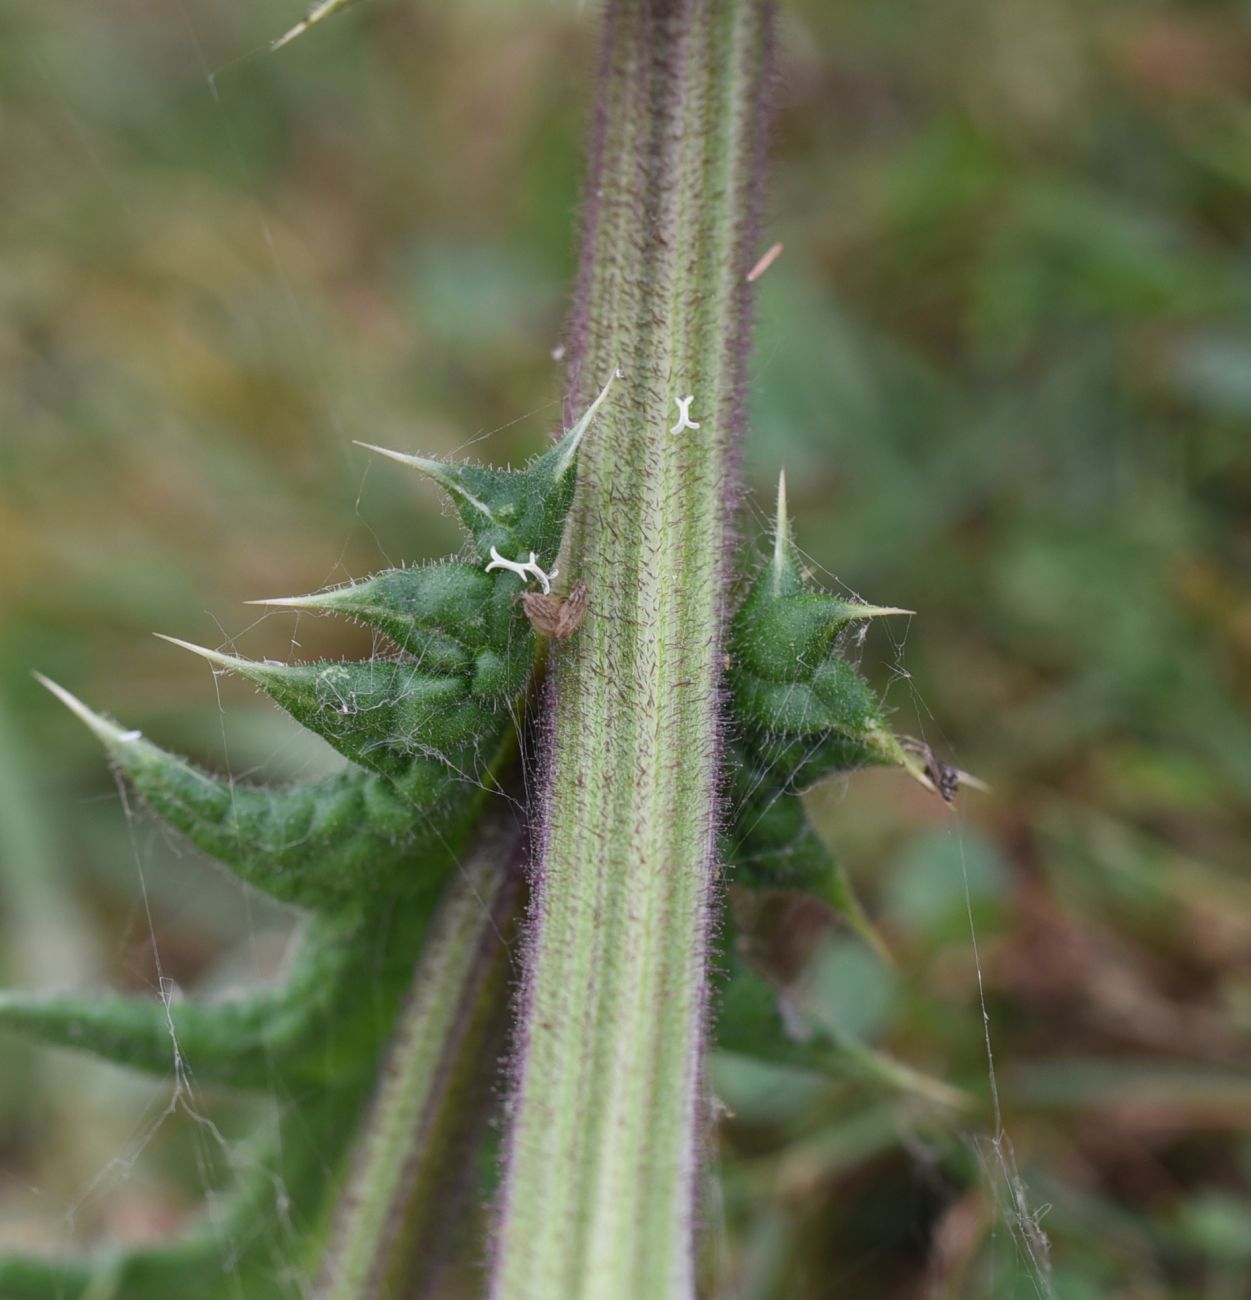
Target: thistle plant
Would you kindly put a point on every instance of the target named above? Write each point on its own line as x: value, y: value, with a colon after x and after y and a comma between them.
x: 596, y: 644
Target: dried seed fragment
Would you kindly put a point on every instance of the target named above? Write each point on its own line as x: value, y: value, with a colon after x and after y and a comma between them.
x: 556, y: 616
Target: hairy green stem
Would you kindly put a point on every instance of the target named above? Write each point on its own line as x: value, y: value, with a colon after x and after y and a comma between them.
x: 603, y: 1156
x: 437, y: 1073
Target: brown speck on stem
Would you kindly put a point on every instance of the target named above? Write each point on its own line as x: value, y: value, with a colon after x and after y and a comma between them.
x: 556, y: 616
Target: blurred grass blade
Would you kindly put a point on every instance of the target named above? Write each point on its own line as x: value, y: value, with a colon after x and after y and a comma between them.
x: 326, y: 9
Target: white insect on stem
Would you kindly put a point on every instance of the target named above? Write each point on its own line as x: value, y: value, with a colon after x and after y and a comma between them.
x: 684, y: 415
x: 523, y: 570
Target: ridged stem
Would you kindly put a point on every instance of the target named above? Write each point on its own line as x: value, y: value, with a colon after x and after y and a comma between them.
x: 603, y: 1155
x: 390, y: 1218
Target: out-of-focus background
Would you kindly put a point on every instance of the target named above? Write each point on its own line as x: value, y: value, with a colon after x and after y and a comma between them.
x: 1006, y: 360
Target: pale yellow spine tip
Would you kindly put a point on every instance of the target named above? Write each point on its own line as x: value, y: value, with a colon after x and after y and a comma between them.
x: 442, y: 474
x: 881, y: 611
x: 392, y: 455
x: 578, y: 432
x: 213, y: 656
x: 289, y: 602
x: 108, y: 732
x: 782, y: 525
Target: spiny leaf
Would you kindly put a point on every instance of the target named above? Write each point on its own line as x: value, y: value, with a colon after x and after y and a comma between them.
x: 516, y: 511
x: 321, y: 845
x: 382, y: 714
x: 225, y: 1042
x: 309, y: 1028
x: 779, y: 638
x: 836, y: 701
x: 788, y: 679
x: 801, y: 712
x: 346, y: 848
x: 437, y: 612
x: 783, y: 629
x: 450, y: 617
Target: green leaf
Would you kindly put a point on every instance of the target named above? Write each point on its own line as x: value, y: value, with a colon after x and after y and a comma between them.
x: 382, y: 714
x: 773, y: 845
x: 308, y: 1028
x: 800, y: 712
x: 231, y: 1251
x: 322, y: 845
x: 436, y: 612
x: 750, y: 1022
x: 514, y: 511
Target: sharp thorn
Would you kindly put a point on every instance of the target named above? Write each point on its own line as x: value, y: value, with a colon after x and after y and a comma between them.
x: 781, y: 528
x: 291, y: 602
x: 875, y: 611
x: 108, y: 732
x: 394, y: 455
x: 213, y: 656
x: 435, y: 469
x: 573, y: 438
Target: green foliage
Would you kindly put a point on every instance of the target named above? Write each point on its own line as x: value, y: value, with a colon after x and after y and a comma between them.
x: 425, y: 730
x: 233, y: 1251
x: 364, y: 853
x: 983, y: 417
x: 317, y: 844
x: 756, y: 1020
x: 801, y: 712
x: 309, y: 1029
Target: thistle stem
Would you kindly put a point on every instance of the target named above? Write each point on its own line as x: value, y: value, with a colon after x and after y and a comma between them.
x: 601, y: 1178
x: 437, y: 1073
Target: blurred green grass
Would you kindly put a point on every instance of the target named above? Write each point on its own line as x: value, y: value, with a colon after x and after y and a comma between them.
x: 1006, y: 360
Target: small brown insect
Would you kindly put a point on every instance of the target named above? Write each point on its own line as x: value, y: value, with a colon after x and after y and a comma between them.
x: 944, y: 779
x: 557, y: 616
